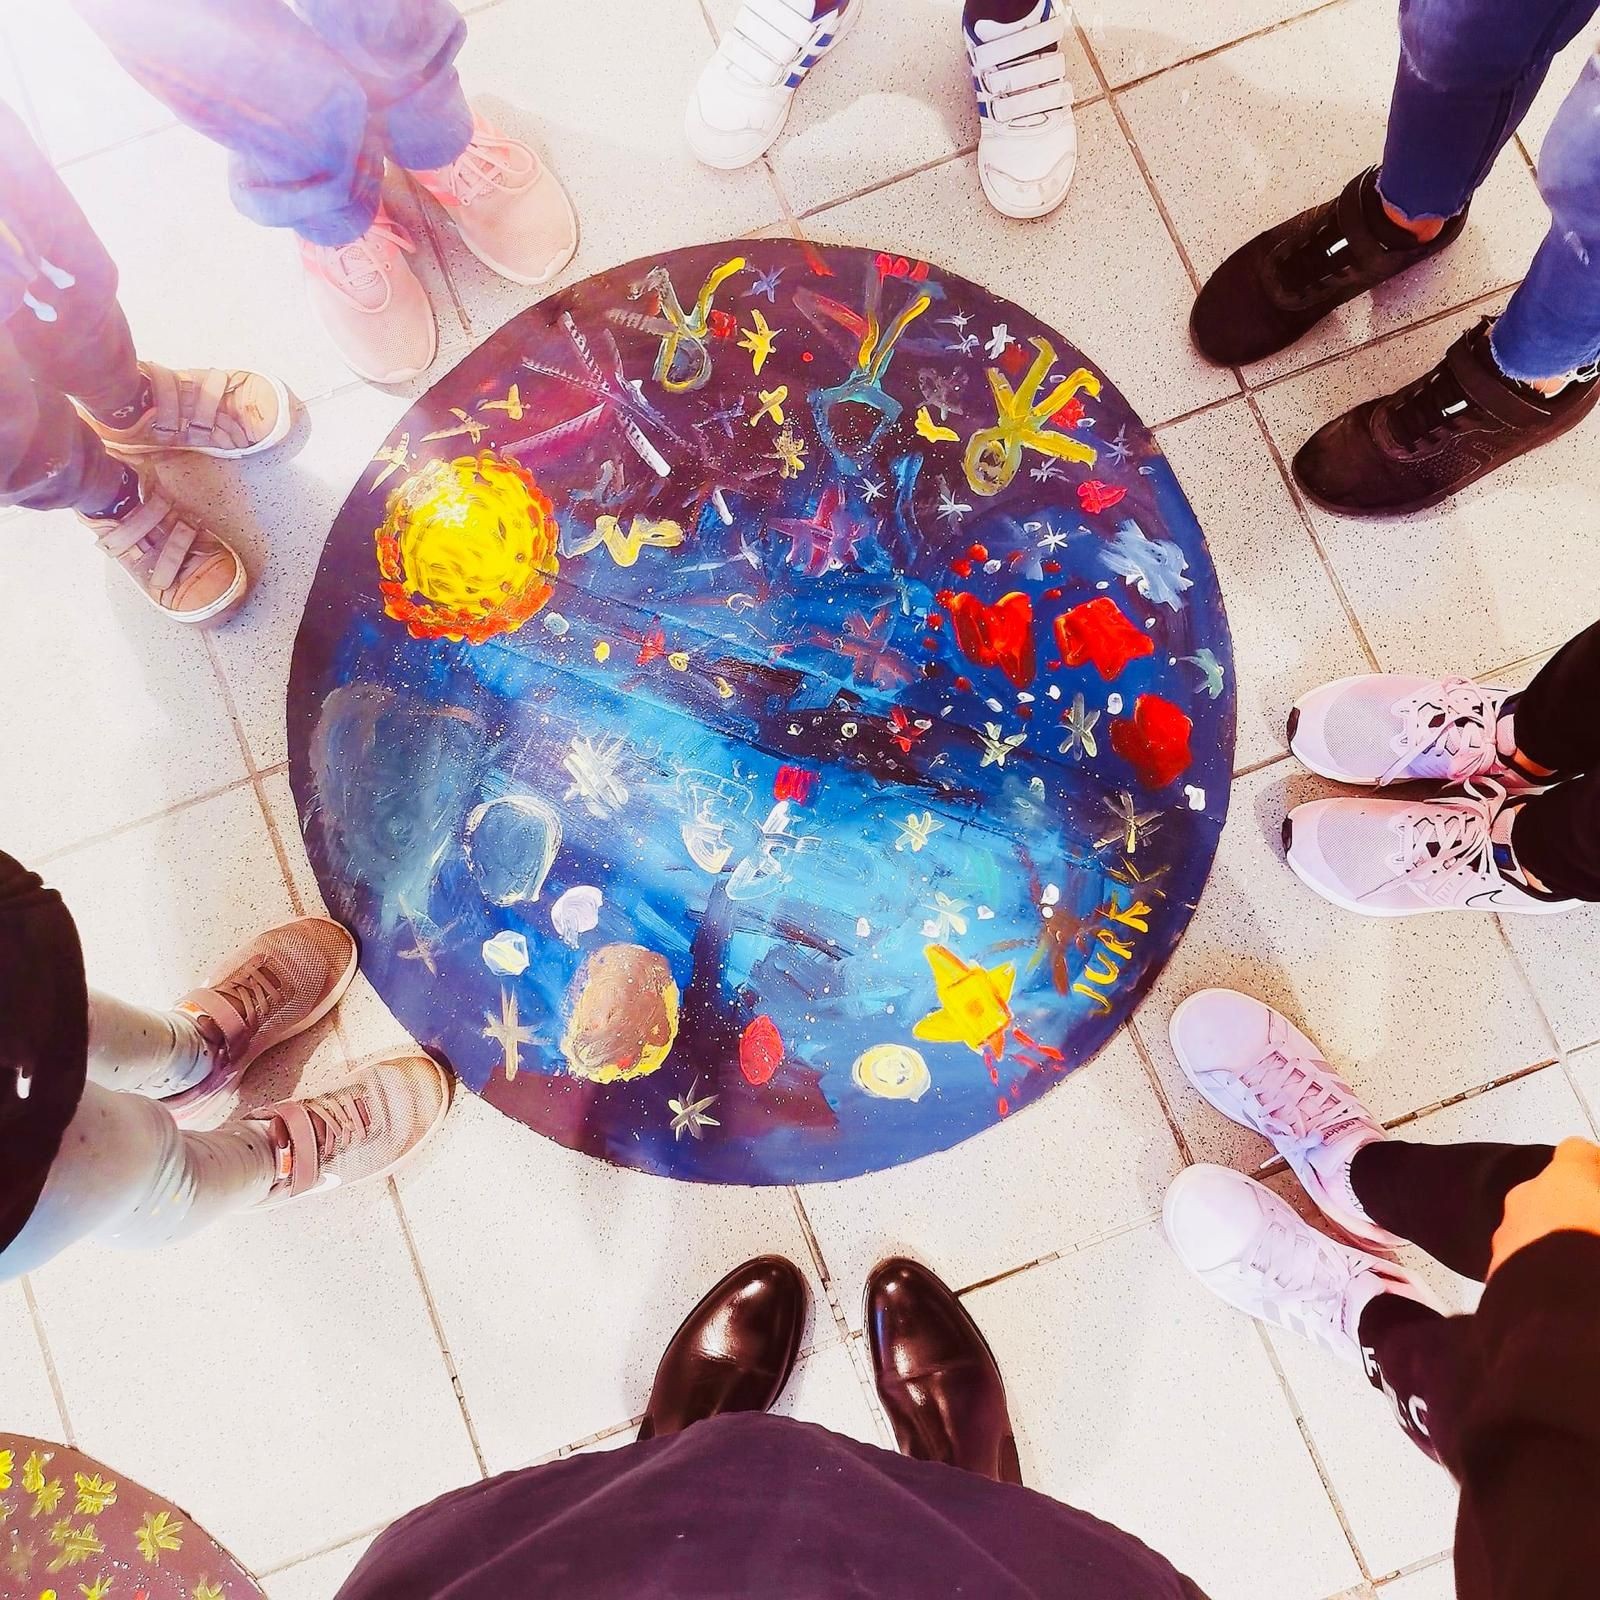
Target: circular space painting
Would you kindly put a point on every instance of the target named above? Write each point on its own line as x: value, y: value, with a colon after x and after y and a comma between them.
x: 767, y: 713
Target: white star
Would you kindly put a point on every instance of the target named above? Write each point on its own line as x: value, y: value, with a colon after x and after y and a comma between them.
x: 871, y: 491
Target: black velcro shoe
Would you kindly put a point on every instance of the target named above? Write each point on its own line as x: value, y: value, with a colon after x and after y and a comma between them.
x: 1416, y: 447
x: 1277, y: 288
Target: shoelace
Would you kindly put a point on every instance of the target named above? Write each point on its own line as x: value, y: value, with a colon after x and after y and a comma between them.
x: 1301, y: 1268
x: 1323, y: 255
x: 343, y: 1119
x: 1459, y: 721
x: 1453, y: 836
x: 1308, y: 1098
x: 353, y: 268
x: 767, y: 41
x: 254, y: 992
x: 1430, y: 410
x: 481, y: 167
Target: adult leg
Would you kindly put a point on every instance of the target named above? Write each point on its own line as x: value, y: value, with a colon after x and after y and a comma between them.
x: 1555, y: 838
x: 127, y: 1175
x: 1469, y: 70
x: 1447, y: 1198
x: 1557, y: 717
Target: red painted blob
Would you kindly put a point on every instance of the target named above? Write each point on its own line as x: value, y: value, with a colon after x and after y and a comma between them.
x: 1095, y: 496
x: 760, y: 1051
x: 723, y: 324
x: 1098, y: 632
x: 1154, y: 741
x: 793, y: 783
x: 998, y: 635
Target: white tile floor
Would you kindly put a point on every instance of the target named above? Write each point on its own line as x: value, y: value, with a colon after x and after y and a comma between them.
x: 297, y: 1381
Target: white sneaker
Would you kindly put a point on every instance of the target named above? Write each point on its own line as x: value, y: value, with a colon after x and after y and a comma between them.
x: 1249, y: 1248
x: 1254, y: 1066
x: 1027, y: 138
x: 742, y: 99
x: 1399, y: 858
x: 1395, y: 727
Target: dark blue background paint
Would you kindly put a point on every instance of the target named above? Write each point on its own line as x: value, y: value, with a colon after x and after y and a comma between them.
x: 427, y: 729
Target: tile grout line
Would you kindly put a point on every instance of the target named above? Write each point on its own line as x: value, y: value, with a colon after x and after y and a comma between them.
x: 438, y: 1329
x: 1306, y: 522
x: 1528, y: 984
x: 47, y: 1355
x: 1306, y: 1439
x: 230, y: 704
x: 324, y: 1550
x: 887, y: 183
x: 819, y: 1261
x: 1136, y: 1038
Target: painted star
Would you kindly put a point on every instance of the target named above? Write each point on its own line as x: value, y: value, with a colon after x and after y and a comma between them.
x: 823, y: 542
x: 760, y: 340
x: 511, y: 405
x: 974, y: 1002
x: 397, y: 457
x: 508, y: 1032
x: 1080, y: 721
x: 1119, y: 449
x: 766, y: 283
x: 965, y: 345
x: 470, y: 426
x: 947, y: 916
x: 1211, y: 679
x: 724, y: 419
x: 870, y: 491
x: 949, y: 507
x: 933, y: 431
x: 1053, y: 540
x: 772, y: 404
x: 1046, y: 472
x: 999, y: 339
x: 689, y: 1115
x: 916, y: 831
x: 1132, y: 826
x: 996, y: 748
x: 958, y: 321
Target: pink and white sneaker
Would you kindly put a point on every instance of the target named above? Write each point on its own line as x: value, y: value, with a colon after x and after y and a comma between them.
x: 1254, y: 1066
x: 1249, y: 1248
x: 372, y: 304
x: 1395, y: 727
x: 1400, y: 858
x: 507, y: 205
x: 284, y: 981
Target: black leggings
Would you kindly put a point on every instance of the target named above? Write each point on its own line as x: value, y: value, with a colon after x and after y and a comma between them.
x: 1556, y: 835
x: 1449, y: 1199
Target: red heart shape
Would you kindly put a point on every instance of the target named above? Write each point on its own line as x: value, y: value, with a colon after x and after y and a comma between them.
x: 1095, y: 496
x: 1154, y: 741
x: 998, y: 635
x: 1098, y: 632
x: 919, y: 272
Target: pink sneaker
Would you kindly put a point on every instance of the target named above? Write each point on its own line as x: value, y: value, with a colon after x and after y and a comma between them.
x: 371, y: 303
x: 362, y: 1131
x: 507, y: 205
x: 281, y: 983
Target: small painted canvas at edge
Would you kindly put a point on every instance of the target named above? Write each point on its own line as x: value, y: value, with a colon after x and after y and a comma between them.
x: 767, y: 713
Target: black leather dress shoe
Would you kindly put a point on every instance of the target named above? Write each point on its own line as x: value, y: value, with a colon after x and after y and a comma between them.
x: 936, y: 1375
x: 735, y: 1350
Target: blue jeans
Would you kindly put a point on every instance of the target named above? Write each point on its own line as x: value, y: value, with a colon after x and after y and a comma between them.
x: 1469, y: 70
x: 310, y: 101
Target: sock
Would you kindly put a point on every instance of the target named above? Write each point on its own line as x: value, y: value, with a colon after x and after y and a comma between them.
x: 988, y: 19
x: 126, y: 498
x: 1333, y: 1161
x: 126, y: 416
x: 1387, y: 232
x: 134, y: 1049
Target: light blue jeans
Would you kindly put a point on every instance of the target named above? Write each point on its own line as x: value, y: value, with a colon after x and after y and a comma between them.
x: 309, y: 100
x: 1469, y: 70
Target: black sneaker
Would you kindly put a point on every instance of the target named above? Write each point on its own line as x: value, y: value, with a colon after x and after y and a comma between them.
x: 1278, y: 287
x: 1416, y: 447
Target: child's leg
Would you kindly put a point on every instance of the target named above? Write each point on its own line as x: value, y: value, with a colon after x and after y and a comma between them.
x: 1411, y: 1353
x: 128, y: 1176
x: 140, y: 1051
x: 1448, y: 1198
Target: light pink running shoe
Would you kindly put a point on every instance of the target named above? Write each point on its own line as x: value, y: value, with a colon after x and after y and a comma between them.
x: 360, y: 1132
x: 1394, y: 727
x: 281, y: 983
x: 212, y: 411
x: 371, y: 303
x: 1254, y: 1066
x: 507, y: 205
x: 1399, y: 858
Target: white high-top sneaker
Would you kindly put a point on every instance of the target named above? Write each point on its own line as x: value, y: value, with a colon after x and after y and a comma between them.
x: 742, y: 99
x: 1249, y: 1248
x: 1027, y: 138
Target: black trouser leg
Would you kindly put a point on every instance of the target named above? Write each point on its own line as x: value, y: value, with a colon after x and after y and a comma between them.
x: 1412, y: 1354
x: 1558, y: 714
x: 1555, y: 836
x: 1448, y: 1198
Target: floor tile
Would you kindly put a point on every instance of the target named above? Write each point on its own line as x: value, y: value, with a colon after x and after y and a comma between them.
x: 1138, y: 1384
x: 1436, y: 1582
x: 1290, y: 632
x: 1564, y: 71
x: 1101, y: 266
x: 29, y: 1402
x: 209, y: 286
x: 1557, y: 954
x: 112, y: 712
x: 826, y: 1389
x: 1378, y: 994
x: 1585, y: 1068
x: 11, y: 84
x: 278, y: 511
x: 1400, y: 1506
x: 300, y: 1319
x: 559, y: 1279
x: 1247, y: 138
x: 1096, y: 1144
x: 1479, y: 580
x: 897, y: 94
x: 159, y: 906
x: 1134, y: 40
x: 320, y: 1577
x: 81, y: 97
x: 634, y: 184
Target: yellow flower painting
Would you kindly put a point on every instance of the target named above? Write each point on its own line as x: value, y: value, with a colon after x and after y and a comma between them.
x: 94, y: 1493
x: 159, y: 1531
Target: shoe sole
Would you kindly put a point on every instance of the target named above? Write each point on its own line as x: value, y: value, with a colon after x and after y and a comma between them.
x: 1428, y: 502
x: 280, y: 431
x: 1026, y: 216
x: 185, y: 1115
x: 851, y: 17
x: 505, y: 272
x: 218, y: 612
x: 1334, y: 897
